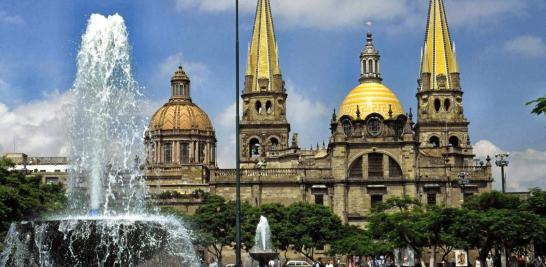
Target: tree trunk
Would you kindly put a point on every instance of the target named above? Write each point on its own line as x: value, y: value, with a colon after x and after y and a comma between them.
x: 433, y: 256
x: 503, y: 256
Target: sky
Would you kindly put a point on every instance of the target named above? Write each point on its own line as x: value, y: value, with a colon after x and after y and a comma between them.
x: 501, y: 49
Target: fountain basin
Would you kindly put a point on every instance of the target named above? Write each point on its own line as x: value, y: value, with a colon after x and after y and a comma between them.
x: 263, y: 257
x: 97, y: 242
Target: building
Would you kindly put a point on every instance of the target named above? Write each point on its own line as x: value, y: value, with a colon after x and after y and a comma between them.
x: 51, y: 169
x: 376, y: 150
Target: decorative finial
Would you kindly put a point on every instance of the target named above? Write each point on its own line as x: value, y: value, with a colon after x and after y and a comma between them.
x: 334, y: 116
x: 357, y: 111
x: 317, y: 146
x: 369, y: 38
x: 323, y: 145
x: 390, y: 111
x: 410, y: 114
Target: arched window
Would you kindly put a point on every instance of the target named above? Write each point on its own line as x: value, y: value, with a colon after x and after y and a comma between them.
x: 437, y: 104
x: 363, y: 66
x: 254, y: 148
x: 454, y: 141
x: 375, y: 165
x: 394, y: 168
x: 274, y: 143
x: 434, y: 141
x: 370, y: 66
x: 447, y: 104
x: 347, y: 127
x: 258, y: 107
x: 355, y: 171
x: 268, y: 107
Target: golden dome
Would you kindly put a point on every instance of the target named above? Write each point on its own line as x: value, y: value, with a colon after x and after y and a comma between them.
x: 370, y: 97
x: 180, y: 115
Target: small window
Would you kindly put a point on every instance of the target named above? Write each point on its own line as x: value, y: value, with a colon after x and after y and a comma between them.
x: 184, y: 153
x: 431, y: 199
x: 454, y: 141
x: 268, y: 107
x: 347, y: 127
x: 258, y: 107
x: 376, y: 199
x: 319, y: 199
x: 370, y: 66
x: 437, y: 104
x: 434, y: 141
x: 447, y: 104
x: 201, y: 152
x: 167, y: 150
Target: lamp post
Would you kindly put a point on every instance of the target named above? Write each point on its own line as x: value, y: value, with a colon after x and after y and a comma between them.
x: 463, y: 181
x: 237, y: 147
x: 502, y: 161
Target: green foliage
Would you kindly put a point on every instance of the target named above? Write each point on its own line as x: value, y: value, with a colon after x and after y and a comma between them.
x: 539, y: 105
x: 492, y: 200
x: 355, y: 241
x: 404, y: 203
x: 311, y: 226
x: 25, y: 197
x: 214, y: 222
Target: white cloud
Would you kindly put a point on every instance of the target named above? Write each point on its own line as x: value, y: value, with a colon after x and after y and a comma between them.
x: 198, y: 72
x: 527, y: 46
x: 36, y: 128
x: 307, y: 116
x: 10, y: 19
x: 526, y: 169
x: 393, y: 14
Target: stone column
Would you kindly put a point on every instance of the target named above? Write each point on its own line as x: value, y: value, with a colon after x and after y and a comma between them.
x: 385, y: 165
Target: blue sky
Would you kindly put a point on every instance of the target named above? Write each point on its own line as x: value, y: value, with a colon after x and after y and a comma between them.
x: 501, y: 48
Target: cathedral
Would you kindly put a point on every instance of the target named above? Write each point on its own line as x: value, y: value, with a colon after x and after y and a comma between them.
x: 376, y: 150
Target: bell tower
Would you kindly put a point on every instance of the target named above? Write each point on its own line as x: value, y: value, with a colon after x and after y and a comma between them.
x: 263, y: 126
x: 441, y: 125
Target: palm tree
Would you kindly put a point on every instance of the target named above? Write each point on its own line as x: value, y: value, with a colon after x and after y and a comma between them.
x: 540, y: 105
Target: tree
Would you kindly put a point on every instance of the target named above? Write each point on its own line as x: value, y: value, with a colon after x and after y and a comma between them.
x: 539, y: 105
x: 214, y: 221
x: 311, y: 226
x: 25, y: 197
x: 355, y: 241
x: 401, y: 227
x: 497, y: 221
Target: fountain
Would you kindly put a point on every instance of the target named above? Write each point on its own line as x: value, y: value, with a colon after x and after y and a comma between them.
x: 106, y: 223
x: 263, y: 250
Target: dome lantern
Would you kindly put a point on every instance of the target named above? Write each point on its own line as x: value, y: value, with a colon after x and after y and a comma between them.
x: 180, y: 84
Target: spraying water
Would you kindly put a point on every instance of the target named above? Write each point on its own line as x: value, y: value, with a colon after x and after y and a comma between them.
x: 106, y: 224
x: 105, y: 130
x: 262, y: 240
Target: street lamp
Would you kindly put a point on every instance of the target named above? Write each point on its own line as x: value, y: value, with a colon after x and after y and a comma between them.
x: 502, y: 161
x: 463, y: 181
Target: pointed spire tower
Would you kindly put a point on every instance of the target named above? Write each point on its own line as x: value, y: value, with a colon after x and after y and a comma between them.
x: 264, y: 127
x: 263, y: 70
x: 439, y: 68
x: 441, y: 124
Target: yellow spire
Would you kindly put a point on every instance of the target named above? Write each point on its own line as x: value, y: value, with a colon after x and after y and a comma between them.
x: 263, y: 61
x: 438, y: 56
